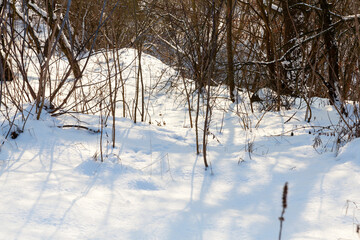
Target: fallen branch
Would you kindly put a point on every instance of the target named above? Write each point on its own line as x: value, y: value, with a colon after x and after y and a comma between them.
x: 80, y: 127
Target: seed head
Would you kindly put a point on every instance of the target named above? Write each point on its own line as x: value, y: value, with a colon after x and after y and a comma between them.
x: 284, y: 196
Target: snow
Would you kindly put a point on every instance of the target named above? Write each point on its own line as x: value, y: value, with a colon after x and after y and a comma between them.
x: 274, y: 7
x: 152, y: 185
x: 39, y: 10
x: 350, y: 17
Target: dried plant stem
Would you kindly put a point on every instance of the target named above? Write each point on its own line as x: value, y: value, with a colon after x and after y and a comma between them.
x: 284, y: 206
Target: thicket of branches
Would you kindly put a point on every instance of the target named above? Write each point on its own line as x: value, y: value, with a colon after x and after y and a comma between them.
x: 296, y: 48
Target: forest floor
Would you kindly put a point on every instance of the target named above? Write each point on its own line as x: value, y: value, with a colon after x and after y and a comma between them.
x: 152, y: 185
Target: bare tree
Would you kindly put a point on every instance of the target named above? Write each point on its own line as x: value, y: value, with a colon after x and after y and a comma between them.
x: 230, y: 50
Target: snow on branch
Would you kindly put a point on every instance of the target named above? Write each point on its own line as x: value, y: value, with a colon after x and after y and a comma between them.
x: 343, y: 18
x: 350, y: 17
x: 173, y: 46
x: 37, y: 9
x: 316, y: 8
x: 44, y: 15
x: 274, y: 7
x: 282, y: 58
x: 80, y: 127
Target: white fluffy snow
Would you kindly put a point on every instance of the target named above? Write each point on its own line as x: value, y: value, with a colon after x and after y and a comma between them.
x: 152, y: 185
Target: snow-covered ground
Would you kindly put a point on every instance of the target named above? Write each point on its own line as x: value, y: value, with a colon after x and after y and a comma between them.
x: 152, y: 185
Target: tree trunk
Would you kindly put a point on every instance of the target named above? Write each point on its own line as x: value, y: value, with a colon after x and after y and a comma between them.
x: 332, y: 50
x: 63, y: 41
x: 6, y: 73
x: 229, y: 48
x: 293, y: 27
x: 209, y: 76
